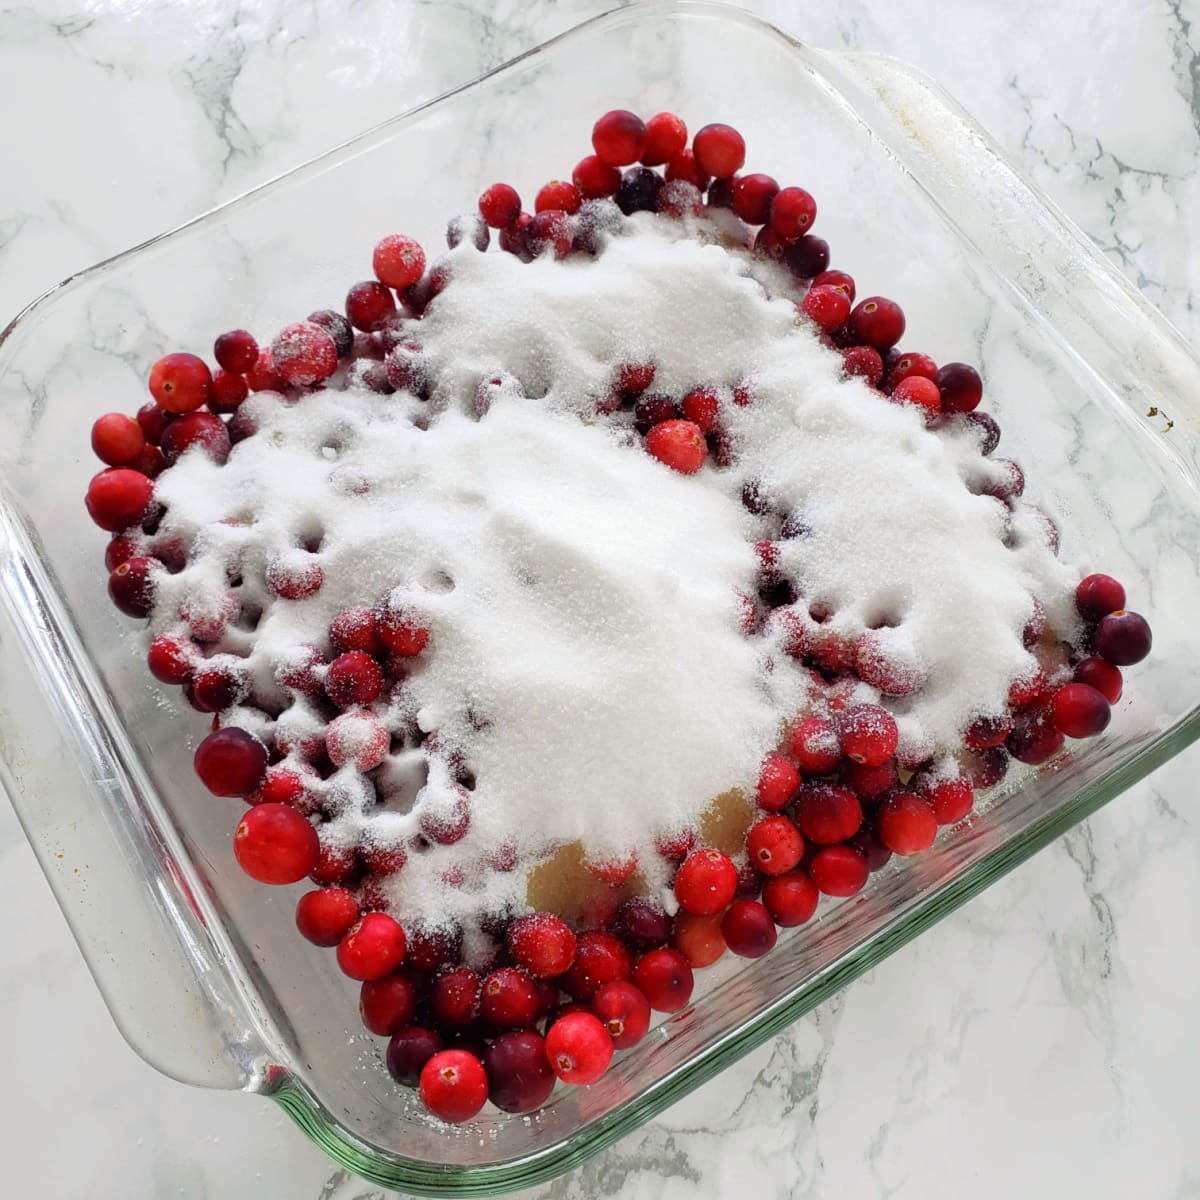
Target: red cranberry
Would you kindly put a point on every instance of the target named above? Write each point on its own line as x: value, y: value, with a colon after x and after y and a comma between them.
x: 387, y: 1005
x: 1080, y: 711
x: 303, y: 354
x: 500, y: 205
x: 1034, y: 738
x: 1030, y: 687
x: 624, y: 1012
x: 705, y: 882
x: 453, y: 1085
x: 614, y: 871
x: 698, y: 939
x: 353, y: 678
x: 790, y: 899
x: 232, y: 762
x: 870, y: 783
x: 118, y: 498
x: 520, y: 1079
x: 877, y: 322
x: 619, y: 137
x: 884, y: 667
x: 338, y: 328
x: 235, y: 351
x: 398, y: 261
x: 180, y: 382
x: 560, y: 195
x: 1122, y: 638
x: 666, y: 137
x: 701, y: 406
x: 335, y: 866
x: 169, y: 659
x: 960, y: 386
x: 826, y: 307
x: 324, y: 916
x: 454, y: 997
x: 719, y: 149
x: 599, y: 959
x: 774, y: 844
x: 373, y: 947
x: 864, y: 361
x: 369, y: 306
x: 639, y: 190
x: 381, y: 858
x: 909, y: 364
x: 354, y: 629
x: 987, y: 731
x: 665, y: 978
x: 131, y: 586
x: 793, y: 211
x: 294, y: 576
x: 906, y: 823
x: 748, y: 929
x: 433, y: 946
x: 153, y: 420
x: 281, y: 785
x: 653, y: 408
x: 868, y: 734
x: 509, y: 999
x: 542, y: 943
x: 777, y: 783
x: 549, y: 230
x: 214, y: 689
x: 262, y: 377
x: 227, y: 392
x: 1103, y: 676
x: 815, y: 746
x: 408, y: 1052
x: 1098, y: 595
x: 839, y: 871
x: 594, y: 178
x: 275, y: 844
x: 827, y: 812
x: 807, y: 257
x: 642, y: 924
x: 752, y: 197
x: 117, y: 439
x: 578, y: 1048
x: 683, y: 168
x: 399, y: 630
x: 201, y: 429
x: 679, y: 445
x: 837, y: 279
x: 918, y: 391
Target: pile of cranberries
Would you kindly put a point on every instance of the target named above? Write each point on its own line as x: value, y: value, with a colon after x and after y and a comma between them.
x: 835, y: 802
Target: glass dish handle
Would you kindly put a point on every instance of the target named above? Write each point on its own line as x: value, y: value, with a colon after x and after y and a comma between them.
x: 156, y: 986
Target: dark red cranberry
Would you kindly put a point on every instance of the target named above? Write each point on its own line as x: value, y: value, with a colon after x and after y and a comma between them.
x: 986, y: 768
x: 639, y: 190
x: 1098, y: 595
x: 807, y: 257
x: 1122, y: 638
x: 619, y: 137
x: 877, y: 322
x: 1034, y: 737
x: 131, y: 586
x: 236, y: 351
x: 642, y: 924
x: 197, y: 429
x: 960, y: 386
x: 752, y: 196
x: 519, y: 1075
x: 231, y: 762
x: 337, y: 327
x: 1080, y: 711
x: 408, y: 1051
x: 989, y: 431
x: 1101, y: 675
x: 550, y: 229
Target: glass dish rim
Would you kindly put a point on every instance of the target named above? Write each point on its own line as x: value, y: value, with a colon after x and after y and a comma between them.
x: 544, y: 1163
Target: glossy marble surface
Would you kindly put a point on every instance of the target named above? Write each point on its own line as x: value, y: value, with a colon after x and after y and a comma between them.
x: 1041, y: 1042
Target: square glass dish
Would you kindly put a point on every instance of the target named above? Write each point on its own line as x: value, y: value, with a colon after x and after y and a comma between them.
x: 201, y: 968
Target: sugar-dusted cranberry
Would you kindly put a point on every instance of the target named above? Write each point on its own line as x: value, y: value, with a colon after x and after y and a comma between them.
x: 549, y: 230
x: 774, y: 845
x: 1030, y: 687
x: 373, y: 947
x: 791, y: 899
x: 519, y: 1075
x: 705, y: 882
x: 870, y: 783
x: 227, y: 392
x: 678, y: 198
x: 863, y: 361
x: 280, y: 785
x: 950, y: 796
x: 303, y: 354
x: 807, y: 257
x: 752, y: 197
x: 542, y: 943
x: 513, y: 237
x: 170, y: 659
x: 868, y: 734
x: 698, y: 938
x: 353, y: 678
x: 453, y: 1085
x: 1098, y: 595
x: 1034, y: 738
x: 447, y: 823
x: 432, y: 946
x: 275, y: 844
x: 642, y: 924
x: 336, y: 865
x: 793, y: 211
x: 877, y: 322
x: 558, y: 194
x: 215, y: 688
x: 398, y: 261
x: 600, y: 958
x: 839, y: 871
x: 409, y: 1050
x: 719, y: 149
x: 400, y: 629
x: 701, y: 406
x: 386, y: 1005
x: 987, y: 731
x: 826, y: 307
x: 639, y: 190
x: 118, y: 498
x: 911, y: 363
x: 262, y: 377
x: 619, y: 137
x: 778, y: 781
x: 827, y: 812
x: 1101, y: 675
x: 369, y: 305
x: 337, y: 327
x: 231, y: 762
x: 666, y: 137
x: 653, y: 408
x: 986, y: 429
x: 594, y: 178
x: 665, y: 978
x: 131, y: 585
x: 359, y: 738
x: 500, y: 205
x: 117, y: 439
x: 748, y: 929
x: 454, y: 996
x: 1122, y: 638
x: 679, y: 445
x: 1080, y: 711
x: 355, y: 629
x: 918, y: 391
x: 509, y: 999
x: 614, y: 870
x: 324, y: 916
x: 1033, y: 629
x: 886, y: 664
x: 960, y: 387
x: 200, y: 429
x: 578, y: 1048
x: 180, y: 382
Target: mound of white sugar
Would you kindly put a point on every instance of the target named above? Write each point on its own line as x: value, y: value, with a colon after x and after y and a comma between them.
x: 586, y: 677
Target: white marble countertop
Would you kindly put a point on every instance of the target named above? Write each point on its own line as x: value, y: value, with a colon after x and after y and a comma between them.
x: 1041, y: 1042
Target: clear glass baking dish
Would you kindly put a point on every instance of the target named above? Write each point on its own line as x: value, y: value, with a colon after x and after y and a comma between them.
x: 1096, y: 394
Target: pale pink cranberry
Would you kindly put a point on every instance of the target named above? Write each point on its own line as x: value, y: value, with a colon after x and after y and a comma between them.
x: 180, y: 382
x: 325, y: 916
x: 275, y: 844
